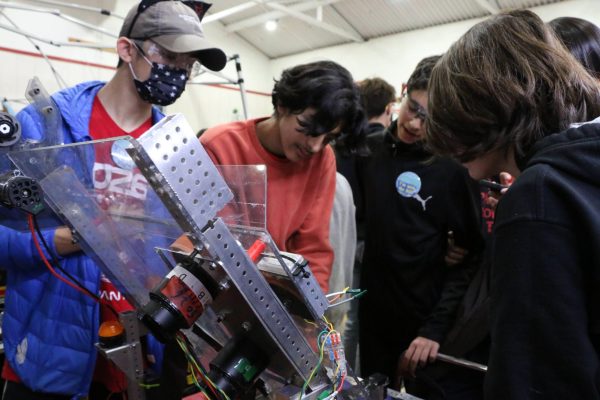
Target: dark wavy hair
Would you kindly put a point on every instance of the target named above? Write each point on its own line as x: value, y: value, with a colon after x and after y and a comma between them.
x: 419, y: 79
x: 505, y: 84
x: 328, y: 88
x: 582, y: 39
x: 375, y: 95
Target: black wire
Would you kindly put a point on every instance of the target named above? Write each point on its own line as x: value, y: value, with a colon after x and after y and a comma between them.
x: 56, y: 264
x: 294, y: 261
x: 288, y: 258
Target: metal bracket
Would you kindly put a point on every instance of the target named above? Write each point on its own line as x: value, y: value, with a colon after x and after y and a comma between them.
x: 128, y: 357
x: 189, y: 184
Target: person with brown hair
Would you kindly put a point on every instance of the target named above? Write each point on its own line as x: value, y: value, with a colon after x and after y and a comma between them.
x: 507, y: 97
x: 410, y: 204
x: 582, y: 39
x: 377, y: 97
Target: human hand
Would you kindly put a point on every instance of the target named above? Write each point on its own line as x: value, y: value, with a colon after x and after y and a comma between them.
x: 506, y: 179
x: 454, y: 254
x: 420, y: 352
x: 64, y: 243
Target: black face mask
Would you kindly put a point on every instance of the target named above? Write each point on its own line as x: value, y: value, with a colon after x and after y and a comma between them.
x: 164, y: 85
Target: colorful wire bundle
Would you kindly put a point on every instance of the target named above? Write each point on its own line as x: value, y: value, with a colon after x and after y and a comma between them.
x: 356, y: 293
x: 198, y: 370
x: 324, y: 335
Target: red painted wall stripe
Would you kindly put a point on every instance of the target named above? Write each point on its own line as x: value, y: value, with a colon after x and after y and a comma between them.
x: 56, y: 58
x: 95, y: 65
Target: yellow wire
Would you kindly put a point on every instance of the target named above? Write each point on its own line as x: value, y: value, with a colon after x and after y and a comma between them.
x: 343, y: 292
x: 329, y: 324
x: 193, y: 360
x: 316, y: 367
x: 149, y: 386
x: 335, y: 375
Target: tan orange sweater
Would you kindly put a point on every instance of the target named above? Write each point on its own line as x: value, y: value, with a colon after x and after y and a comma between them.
x: 299, y: 194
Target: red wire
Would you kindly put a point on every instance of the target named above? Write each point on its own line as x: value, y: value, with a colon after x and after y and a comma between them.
x: 47, y: 263
x: 53, y: 271
x: 342, y: 382
x: 194, y: 369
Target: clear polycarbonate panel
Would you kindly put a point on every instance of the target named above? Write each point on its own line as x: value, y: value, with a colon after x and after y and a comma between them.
x: 97, y: 190
x: 117, y: 218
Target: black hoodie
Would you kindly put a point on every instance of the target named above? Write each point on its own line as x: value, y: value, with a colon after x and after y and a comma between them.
x: 545, y: 307
x: 411, y: 291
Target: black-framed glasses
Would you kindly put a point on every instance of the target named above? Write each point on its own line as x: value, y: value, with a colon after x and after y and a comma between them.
x: 414, y: 108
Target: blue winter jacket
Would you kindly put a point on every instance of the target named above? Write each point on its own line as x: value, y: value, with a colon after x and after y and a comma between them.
x: 49, y: 328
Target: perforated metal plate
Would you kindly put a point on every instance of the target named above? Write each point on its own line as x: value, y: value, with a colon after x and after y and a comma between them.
x: 183, y: 175
x: 302, y: 278
x: 265, y: 304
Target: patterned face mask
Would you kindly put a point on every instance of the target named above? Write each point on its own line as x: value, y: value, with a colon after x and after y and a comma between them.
x: 164, y: 85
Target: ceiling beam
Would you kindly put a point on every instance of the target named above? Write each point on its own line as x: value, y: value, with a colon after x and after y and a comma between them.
x: 488, y: 6
x: 229, y: 11
x: 315, y: 22
x: 262, y: 18
x: 235, y: 9
x: 350, y: 26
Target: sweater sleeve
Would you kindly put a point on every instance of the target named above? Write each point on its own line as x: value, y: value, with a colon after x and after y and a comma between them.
x: 541, y: 346
x: 464, y: 212
x: 18, y: 250
x: 312, y: 239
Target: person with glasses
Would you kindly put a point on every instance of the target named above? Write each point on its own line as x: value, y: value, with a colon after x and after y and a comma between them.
x: 411, y: 202
x: 49, y: 329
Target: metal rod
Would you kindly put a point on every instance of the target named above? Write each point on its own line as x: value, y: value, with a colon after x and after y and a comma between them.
x: 219, y: 74
x: 229, y: 81
x: 238, y: 68
x: 102, y: 11
x: 59, y: 79
x: 58, y: 14
x: 56, y: 43
x: 461, y: 362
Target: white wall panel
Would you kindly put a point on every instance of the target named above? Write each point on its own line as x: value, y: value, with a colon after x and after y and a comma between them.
x: 394, y: 57
x: 202, y: 105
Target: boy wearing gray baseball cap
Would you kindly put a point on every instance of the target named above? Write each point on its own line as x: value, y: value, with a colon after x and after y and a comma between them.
x: 50, y: 329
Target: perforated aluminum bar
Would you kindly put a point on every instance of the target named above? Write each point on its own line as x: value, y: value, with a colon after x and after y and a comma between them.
x: 183, y: 175
x: 258, y: 294
x: 181, y: 172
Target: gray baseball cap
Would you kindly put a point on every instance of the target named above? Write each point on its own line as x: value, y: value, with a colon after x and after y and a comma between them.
x: 177, y: 28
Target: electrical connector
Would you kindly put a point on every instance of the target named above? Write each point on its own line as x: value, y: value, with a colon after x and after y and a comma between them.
x: 335, y: 349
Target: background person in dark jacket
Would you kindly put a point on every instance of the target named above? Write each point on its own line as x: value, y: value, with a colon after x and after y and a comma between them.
x: 513, y: 111
x: 582, y: 39
x: 377, y: 99
x: 410, y: 203
x: 469, y: 337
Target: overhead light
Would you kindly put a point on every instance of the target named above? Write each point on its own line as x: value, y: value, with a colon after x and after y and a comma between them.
x: 271, y: 25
